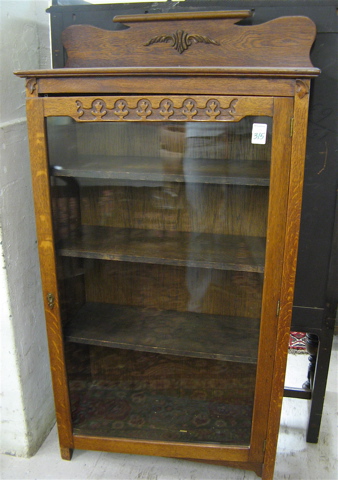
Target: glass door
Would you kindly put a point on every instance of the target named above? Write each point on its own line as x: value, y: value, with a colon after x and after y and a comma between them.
x: 160, y: 231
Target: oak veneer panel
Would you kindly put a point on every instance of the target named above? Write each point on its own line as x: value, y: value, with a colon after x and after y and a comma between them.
x: 167, y: 248
x: 190, y: 334
x: 180, y: 39
x: 172, y: 83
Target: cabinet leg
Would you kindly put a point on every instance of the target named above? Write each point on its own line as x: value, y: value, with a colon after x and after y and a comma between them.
x: 318, y: 386
x: 66, y: 453
x: 267, y: 472
x: 312, y: 348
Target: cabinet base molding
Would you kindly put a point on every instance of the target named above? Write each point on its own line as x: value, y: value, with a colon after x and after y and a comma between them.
x: 192, y: 451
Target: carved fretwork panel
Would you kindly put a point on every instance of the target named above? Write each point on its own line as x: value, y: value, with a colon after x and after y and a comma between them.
x: 160, y: 108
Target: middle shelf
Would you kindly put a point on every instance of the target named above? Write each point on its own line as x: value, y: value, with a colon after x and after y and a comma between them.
x: 203, y: 250
x: 165, y: 169
x: 189, y: 334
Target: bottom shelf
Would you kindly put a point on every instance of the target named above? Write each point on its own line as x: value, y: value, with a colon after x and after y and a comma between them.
x: 147, y: 396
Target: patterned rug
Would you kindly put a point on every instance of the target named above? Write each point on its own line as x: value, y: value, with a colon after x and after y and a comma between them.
x: 161, y: 397
x: 297, y: 342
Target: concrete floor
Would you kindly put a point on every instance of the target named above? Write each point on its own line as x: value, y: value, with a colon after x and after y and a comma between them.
x: 296, y: 459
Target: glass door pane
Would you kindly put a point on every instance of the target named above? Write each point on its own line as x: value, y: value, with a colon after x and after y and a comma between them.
x: 160, y: 235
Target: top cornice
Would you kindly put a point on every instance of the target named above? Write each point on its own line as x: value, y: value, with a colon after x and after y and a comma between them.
x: 180, y: 44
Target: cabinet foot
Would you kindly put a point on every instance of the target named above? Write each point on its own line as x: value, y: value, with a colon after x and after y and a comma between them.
x: 66, y: 453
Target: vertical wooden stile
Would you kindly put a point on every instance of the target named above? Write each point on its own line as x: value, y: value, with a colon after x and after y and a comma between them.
x: 40, y: 181
x: 289, y: 271
x: 278, y: 198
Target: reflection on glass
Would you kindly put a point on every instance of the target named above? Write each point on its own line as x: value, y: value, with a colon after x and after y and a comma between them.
x: 160, y: 233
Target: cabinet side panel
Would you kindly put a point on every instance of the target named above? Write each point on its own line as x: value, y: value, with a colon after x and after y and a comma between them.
x: 289, y: 271
x: 40, y: 180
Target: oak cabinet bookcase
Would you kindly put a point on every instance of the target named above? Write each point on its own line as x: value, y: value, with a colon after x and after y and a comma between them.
x: 167, y: 163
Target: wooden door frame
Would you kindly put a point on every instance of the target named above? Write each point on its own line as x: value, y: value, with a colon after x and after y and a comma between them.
x: 38, y: 108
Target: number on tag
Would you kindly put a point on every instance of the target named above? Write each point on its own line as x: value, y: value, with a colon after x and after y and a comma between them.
x: 259, y: 133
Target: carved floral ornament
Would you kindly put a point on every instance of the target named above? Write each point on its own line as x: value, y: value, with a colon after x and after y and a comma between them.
x: 188, y: 110
x: 181, y: 40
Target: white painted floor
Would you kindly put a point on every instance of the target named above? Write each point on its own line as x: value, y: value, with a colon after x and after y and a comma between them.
x: 296, y: 459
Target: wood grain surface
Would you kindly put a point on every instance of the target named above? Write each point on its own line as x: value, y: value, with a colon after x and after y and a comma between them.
x: 168, y: 332
x: 282, y: 43
x: 273, y: 285
x: 214, y: 209
x: 168, y: 248
x: 217, y: 81
x: 149, y: 108
x: 42, y: 204
x: 292, y: 224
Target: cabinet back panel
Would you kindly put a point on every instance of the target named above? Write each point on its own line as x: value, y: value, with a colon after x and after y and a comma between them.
x: 233, y: 139
x: 174, y: 288
x: 218, y: 209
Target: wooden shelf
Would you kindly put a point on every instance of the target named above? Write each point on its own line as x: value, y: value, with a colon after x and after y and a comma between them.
x: 167, y: 332
x: 221, y: 252
x: 199, y: 170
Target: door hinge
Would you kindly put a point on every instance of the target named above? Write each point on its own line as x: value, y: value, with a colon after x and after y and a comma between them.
x: 291, y: 126
x: 278, y: 308
x: 50, y: 300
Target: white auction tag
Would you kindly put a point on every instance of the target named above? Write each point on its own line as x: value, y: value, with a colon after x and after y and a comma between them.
x: 259, y: 133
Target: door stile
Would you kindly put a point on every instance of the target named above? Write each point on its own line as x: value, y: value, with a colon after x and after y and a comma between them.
x: 278, y: 198
x: 42, y: 204
x: 300, y: 116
